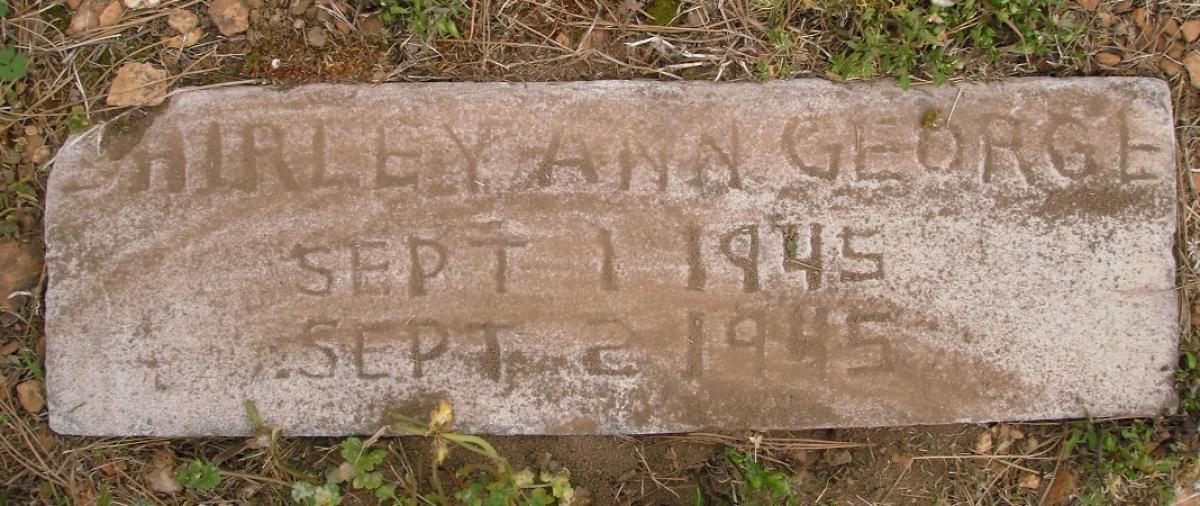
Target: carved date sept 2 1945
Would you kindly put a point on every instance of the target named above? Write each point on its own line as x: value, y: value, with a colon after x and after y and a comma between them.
x: 816, y: 340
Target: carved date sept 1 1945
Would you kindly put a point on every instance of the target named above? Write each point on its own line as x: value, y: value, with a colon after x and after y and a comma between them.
x: 366, y: 267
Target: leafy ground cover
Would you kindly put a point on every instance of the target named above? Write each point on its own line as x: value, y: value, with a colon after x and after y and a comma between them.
x: 68, y: 64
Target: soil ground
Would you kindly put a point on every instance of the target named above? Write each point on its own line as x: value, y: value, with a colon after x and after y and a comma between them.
x: 291, y: 42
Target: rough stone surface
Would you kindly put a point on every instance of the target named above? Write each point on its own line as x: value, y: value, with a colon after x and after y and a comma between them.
x: 616, y: 257
x: 138, y: 84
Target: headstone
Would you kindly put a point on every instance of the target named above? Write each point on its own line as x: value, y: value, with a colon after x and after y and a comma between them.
x: 616, y: 257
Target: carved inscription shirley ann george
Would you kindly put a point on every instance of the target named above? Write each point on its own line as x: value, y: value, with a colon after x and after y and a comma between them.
x: 615, y: 257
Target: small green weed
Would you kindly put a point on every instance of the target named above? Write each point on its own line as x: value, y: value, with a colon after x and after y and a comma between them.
x: 77, y: 120
x: 1187, y: 376
x: 425, y: 18
x: 908, y: 38
x: 779, y: 38
x: 1121, y: 454
x: 662, y: 12
x: 494, y: 484
x: 13, y: 65
x: 759, y: 485
x: 198, y: 475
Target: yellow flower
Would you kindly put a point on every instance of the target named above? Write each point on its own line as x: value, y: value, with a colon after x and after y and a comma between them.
x: 441, y: 417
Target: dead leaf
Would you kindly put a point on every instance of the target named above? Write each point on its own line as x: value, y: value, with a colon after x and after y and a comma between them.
x: 9, y: 347
x: 182, y: 20
x: 138, y: 84
x: 1108, y: 59
x: 231, y: 16
x: 1062, y: 488
x: 1141, y: 18
x: 984, y: 443
x: 1031, y: 444
x: 563, y: 39
x: 1170, y: 68
x: 142, y: 4
x: 371, y: 25
x: 594, y: 39
x: 316, y: 37
x: 113, y: 468
x: 1176, y: 50
x: 1029, y: 481
x: 838, y: 458
x: 20, y: 266
x: 160, y: 473
x: 83, y: 493
x: 36, y: 150
x: 903, y: 460
x: 111, y: 14
x: 1192, y: 63
x: 182, y: 41
x: 1190, y: 30
x: 1168, y: 26
x: 29, y: 394
x: 46, y: 437
x: 84, y: 19
x: 1089, y: 5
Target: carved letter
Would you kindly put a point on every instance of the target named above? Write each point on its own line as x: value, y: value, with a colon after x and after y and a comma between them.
x: 472, y: 155
x: 214, y: 159
x: 829, y: 172
x: 550, y: 160
x: 383, y: 154
x: 1006, y: 145
x: 300, y: 253
x: 696, y: 273
x: 1127, y: 146
x: 593, y: 360
x: 170, y: 158
x: 263, y: 145
x: 310, y: 338
x: 695, y: 337
x: 758, y: 340
x: 608, y: 272
x: 854, y: 322
x: 848, y: 251
x: 862, y: 149
x: 357, y: 267
x: 493, y: 359
x: 501, y: 246
x: 748, y: 263
x: 417, y: 274
x: 809, y: 337
x: 938, y: 142
x: 418, y: 356
x: 730, y: 158
x: 320, y: 179
x: 658, y: 163
x: 812, y: 264
x: 361, y: 350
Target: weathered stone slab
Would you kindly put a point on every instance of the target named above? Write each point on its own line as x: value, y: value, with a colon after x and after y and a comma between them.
x: 616, y: 257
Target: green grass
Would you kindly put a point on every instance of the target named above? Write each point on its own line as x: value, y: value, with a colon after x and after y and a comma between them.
x: 1123, y: 458
x: 915, y: 39
x: 365, y: 470
x: 426, y: 19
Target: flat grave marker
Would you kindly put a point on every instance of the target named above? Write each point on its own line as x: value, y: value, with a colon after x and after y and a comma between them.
x: 616, y: 257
